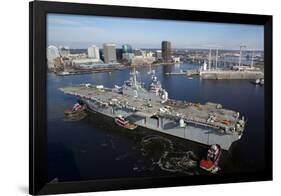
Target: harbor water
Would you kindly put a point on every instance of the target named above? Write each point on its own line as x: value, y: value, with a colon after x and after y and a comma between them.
x: 95, y: 148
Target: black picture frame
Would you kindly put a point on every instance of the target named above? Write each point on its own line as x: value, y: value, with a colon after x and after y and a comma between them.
x: 37, y: 97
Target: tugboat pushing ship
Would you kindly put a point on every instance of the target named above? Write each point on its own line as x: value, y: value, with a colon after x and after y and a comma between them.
x: 211, y: 162
x: 131, y: 106
x: 122, y: 122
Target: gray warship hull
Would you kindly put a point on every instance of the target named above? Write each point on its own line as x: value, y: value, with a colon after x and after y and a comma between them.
x: 195, y: 133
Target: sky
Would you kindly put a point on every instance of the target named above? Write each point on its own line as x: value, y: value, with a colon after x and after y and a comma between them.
x: 77, y: 31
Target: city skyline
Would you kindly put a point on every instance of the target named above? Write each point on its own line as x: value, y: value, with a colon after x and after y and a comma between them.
x: 83, y: 31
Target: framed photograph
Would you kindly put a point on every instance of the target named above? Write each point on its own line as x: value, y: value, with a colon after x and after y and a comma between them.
x: 130, y: 97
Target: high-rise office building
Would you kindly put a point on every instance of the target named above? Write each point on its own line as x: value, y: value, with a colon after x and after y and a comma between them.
x: 52, y: 53
x: 126, y: 48
x: 166, y: 51
x: 109, y: 52
x: 53, y: 58
x: 119, y: 52
x: 93, y: 52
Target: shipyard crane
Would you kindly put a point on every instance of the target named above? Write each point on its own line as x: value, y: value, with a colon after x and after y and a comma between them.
x: 252, y: 60
x: 240, y: 56
x: 210, y: 59
x: 217, y: 58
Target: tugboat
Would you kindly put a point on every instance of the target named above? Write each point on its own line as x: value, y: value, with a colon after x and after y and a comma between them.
x: 122, y: 122
x: 210, y: 164
x: 75, y: 110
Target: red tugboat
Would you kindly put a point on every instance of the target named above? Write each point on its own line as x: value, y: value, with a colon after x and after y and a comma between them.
x: 122, y: 122
x: 76, y: 109
x: 210, y: 164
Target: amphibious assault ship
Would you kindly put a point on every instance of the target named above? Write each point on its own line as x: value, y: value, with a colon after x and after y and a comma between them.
x: 151, y: 108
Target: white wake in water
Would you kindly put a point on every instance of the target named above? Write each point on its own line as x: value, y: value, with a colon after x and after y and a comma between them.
x: 163, y: 153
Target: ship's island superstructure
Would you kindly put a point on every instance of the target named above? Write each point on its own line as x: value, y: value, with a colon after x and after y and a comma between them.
x: 208, y: 123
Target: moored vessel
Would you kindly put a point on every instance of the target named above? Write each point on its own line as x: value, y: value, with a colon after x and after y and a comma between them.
x: 76, y: 109
x: 259, y: 81
x: 151, y: 108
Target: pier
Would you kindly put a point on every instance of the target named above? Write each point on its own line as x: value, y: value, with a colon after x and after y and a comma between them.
x: 231, y: 74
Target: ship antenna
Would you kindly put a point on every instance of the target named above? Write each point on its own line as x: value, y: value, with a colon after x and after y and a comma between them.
x: 134, y: 77
x: 240, y: 55
x: 217, y: 58
x: 252, y: 61
x: 210, y: 58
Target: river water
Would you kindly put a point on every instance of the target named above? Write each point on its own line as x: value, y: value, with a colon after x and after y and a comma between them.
x: 94, y: 148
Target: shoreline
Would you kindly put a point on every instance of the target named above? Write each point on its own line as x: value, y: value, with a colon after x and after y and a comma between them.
x: 105, y: 69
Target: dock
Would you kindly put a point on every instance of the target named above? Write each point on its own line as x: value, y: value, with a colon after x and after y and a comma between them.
x: 231, y: 74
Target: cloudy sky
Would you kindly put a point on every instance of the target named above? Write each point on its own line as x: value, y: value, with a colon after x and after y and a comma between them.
x: 78, y: 31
